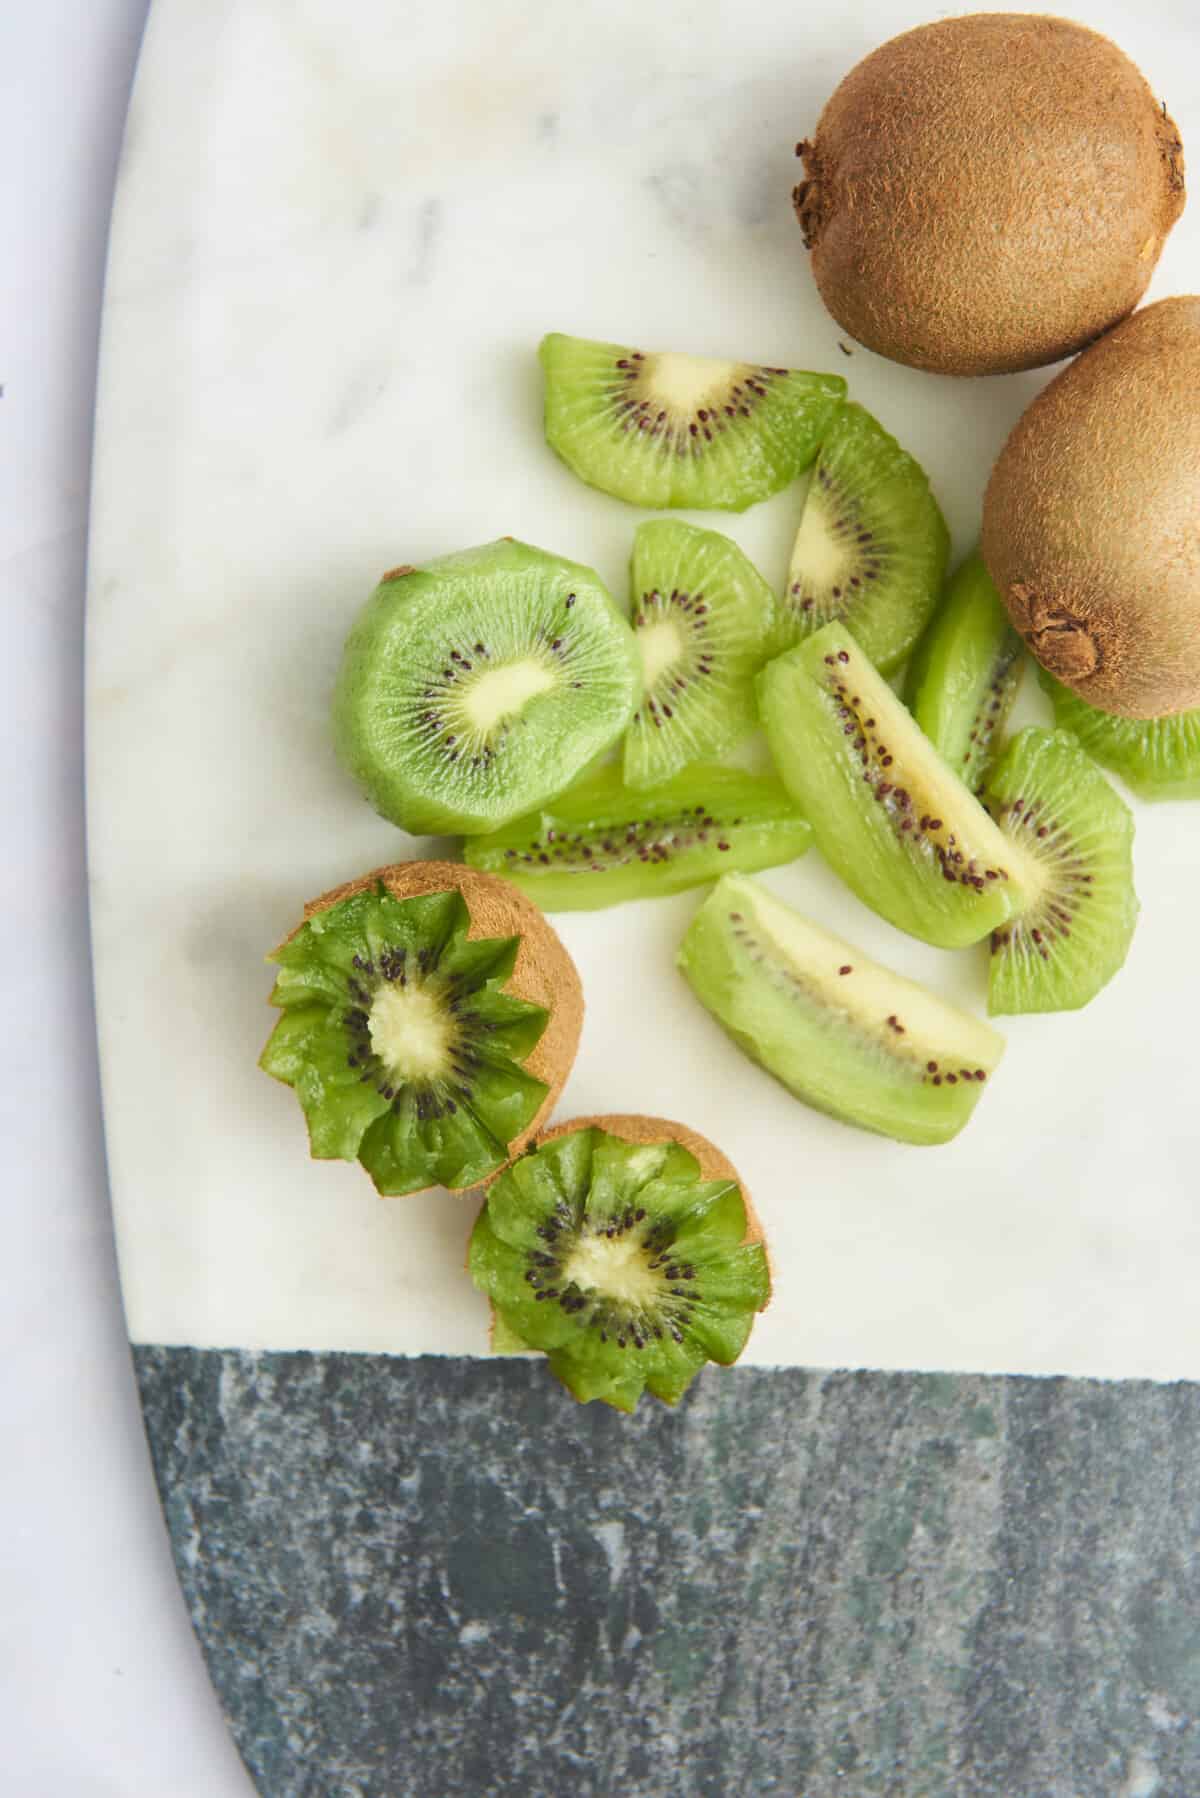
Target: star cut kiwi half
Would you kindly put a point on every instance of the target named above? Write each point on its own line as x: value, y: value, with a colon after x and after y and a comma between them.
x: 430, y: 1019
x: 627, y: 1251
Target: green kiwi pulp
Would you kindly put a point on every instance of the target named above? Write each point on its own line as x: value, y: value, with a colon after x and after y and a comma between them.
x: 600, y: 843
x: 701, y: 614
x: 402, y: 1046
x: 1158, y: 758
x: 1056, y: 807
x: 964, y: 676
x: 620, y: 1262
x: 481, y: 684
x: 872, y: 544
x: 841, y: 1032
x: 661, y: 429
x: 888, y: 815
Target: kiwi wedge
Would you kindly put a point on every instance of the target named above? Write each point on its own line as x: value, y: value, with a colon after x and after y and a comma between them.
x: 625, y: 1249
x: 430, y: 1019
x: 872, y: 544
x: 1159, y: 758
x: 841, y: 1032
x: 600, y: 843
x: 888, y: 815
x: 964, y: 676
x: 702, y: 615
x: 481, y: 684
x: 1054, y: 804
x: 662, y: 429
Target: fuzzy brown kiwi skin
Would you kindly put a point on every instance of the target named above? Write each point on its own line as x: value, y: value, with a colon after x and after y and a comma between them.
x: 544, y: 973
x: 1090, y: 518
x: 975, y: 236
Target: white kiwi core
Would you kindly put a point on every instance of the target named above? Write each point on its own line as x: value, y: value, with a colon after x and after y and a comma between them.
x: 410, y: 1032
x: 661, y: 645
x: 615, y: 1266
x: 684, y: 383
x: 819, y: 559
x: 500, y: 693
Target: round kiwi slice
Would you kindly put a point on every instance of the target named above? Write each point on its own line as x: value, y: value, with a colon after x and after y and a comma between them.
x: 430, y: 1019
x: 1159, y: 758
x: 840, y: 1031
x: 988, y: 193
x: 1056, y: 807
x: 964, y: 676
x: 662, y: 429
x: 888, y: 815
x: 871, y: 548
x: 702, y: 615
x: 600, y: 842
x: 625, y: 1249
x: 481, y: 684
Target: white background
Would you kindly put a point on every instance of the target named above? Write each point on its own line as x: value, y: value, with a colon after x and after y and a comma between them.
x: 103, y: 1692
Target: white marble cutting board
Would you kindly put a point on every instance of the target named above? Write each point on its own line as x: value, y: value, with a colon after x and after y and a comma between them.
x: 340, y: 233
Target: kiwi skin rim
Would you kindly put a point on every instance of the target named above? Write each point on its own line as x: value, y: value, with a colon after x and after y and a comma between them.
x: 632, y: 1128
x: 544, y: 973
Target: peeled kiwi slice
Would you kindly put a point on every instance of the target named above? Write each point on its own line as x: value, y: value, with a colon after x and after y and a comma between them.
x: 481, y: 684
x: 626, y: 1250
x: 701, y: 614
x: 430, y: 1019
x: 1159, y: 758
x: 888, y: 815
x: 1056, y: 807
x: 600, y: 842
x: 843, y: 1033
x: 661, y: 429
x: 872, y: 544
x: 964, y: 676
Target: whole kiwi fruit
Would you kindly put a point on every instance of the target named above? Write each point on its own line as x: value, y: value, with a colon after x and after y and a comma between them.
x: 1091, y: 520
x: 988, y: 193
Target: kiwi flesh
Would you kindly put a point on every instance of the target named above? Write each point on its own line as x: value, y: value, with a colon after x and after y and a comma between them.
x: 840, y: 1031
x: 475, y: 687
x: 1089, y: 519
x: 600, y: 842
x: 430, y: 1019
x: 1158, y: 758
x: 1053, y: 802
x: 702, y: 615
x: 988, y: 193
x: 964, y: 676
x: 888, y: 815
x: 625, y: 1249
x: 872, y: 544
x: 662, y: 429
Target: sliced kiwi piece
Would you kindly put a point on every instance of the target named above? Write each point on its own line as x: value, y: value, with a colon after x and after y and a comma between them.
x: 481, y: 684
x: 888, y: 815
x: 430, y: 1019
x: 662, y: 429
x: 843, y: 1033
x: 1054, y: 804
x: 1159, y: 758
x: 872, y: 544
x: 625, y: 1249
x: 600, y: 843
x: 702, y: 614
x: 964, y: 676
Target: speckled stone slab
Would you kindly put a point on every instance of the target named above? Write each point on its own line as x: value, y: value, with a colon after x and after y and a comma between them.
x: 440, y: 1576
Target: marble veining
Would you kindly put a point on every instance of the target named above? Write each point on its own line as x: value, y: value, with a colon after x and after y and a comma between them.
x: 430, y: 1576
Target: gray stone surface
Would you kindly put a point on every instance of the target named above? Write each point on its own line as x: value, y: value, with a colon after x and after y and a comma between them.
x: 441, y: 1577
